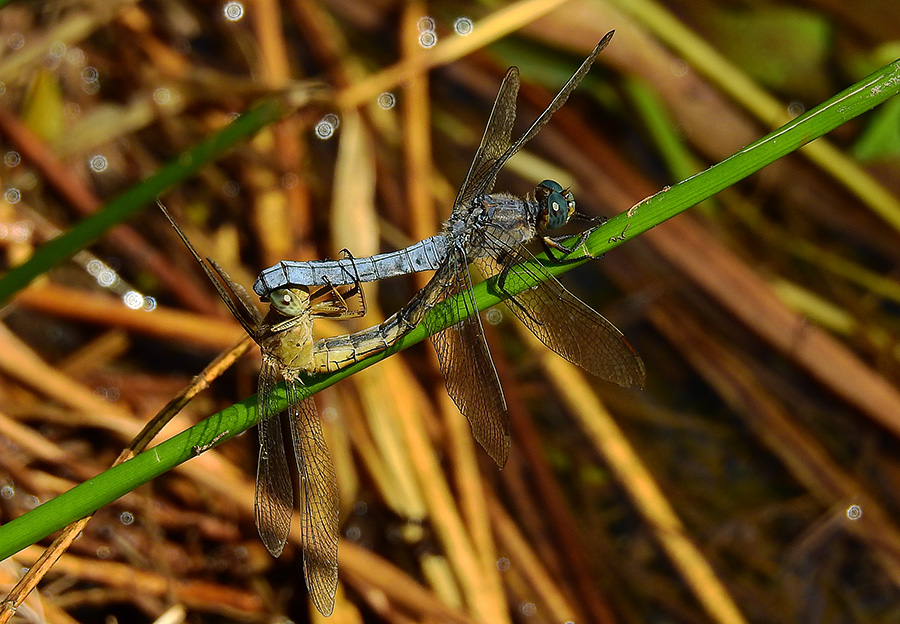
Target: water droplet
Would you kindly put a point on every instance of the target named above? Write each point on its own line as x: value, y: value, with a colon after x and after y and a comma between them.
x: 679, y: 68
x: 90, y: 74
x: 329, y: 414
x: 16, y: 41
x: 386, y: 100
x: 98, y: 163
x: 149, y: 304
x: 133, y: 300
x: 13, y: 195
x: 360, y: 508
x: 103, y: 552
x: 231, y: 189
x: 7, y: 492
x: 126, y: 518
x: 162, y: 96
x: 107, y: 278
x: 91, y: 88
x: 76, y: 56
x: 12, y: 159
x: 463, y: 26
x: 354, y: 533
x: 71, y: 110
x: 233, y: 11
x: 493, y: 316
x: 426, y: 24
x: 58, y: 49
x: 31, y: 502
x: 21, y: 231
x: 503, y: 564
x: 324, y: 130
x: 28, y: 181
x: 51, y: 62
x: 795, y: 109
x: 289, y: 180
x: 854, y: 512
x: 528, y: 609
x: 427, y: 39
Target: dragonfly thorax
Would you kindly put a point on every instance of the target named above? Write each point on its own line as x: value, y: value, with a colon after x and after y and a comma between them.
x: 556, y: 205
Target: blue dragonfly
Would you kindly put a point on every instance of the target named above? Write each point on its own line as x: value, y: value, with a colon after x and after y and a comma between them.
x: 489, y: 230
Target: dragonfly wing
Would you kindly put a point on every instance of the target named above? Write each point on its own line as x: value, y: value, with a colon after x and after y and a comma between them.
x: 494, y: 142
x: 232, y: 293
x: 274, y: 491
x: 557, y: 102
x: 318, y: 501
x: 569, y: 326
x: 469, y: 372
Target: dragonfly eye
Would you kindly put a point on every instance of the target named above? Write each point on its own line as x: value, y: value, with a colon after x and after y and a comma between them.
x: 550, y: 186
x: 290, y: 301
x: 557, y: 205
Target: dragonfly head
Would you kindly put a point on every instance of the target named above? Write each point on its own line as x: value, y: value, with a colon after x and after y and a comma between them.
x: 557, y: 205
x: 290, y: 302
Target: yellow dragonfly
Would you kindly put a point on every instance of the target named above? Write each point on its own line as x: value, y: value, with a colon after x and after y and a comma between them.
x: 285, y: 337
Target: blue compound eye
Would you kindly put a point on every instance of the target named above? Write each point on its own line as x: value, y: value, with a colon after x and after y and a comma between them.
x: 556, y: 204
x: 551, y: 185
x: 290, y: 301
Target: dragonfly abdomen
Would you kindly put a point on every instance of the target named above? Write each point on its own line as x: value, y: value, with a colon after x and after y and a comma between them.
x: 426, y: 255
x: 332, y: 354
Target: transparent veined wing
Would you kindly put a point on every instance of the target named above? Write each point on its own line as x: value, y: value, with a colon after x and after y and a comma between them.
x: 274, y: 490
x: 495, y: 148
x: 318, y: 500
x: 494, y: 142
x: 566, y: 324
x: 557, y: 102
x: 469, y: 372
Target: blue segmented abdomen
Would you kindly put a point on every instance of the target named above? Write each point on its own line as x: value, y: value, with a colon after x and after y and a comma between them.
x: 426, y: 255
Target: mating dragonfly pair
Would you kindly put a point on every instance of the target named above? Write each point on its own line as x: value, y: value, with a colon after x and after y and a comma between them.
x: 484, y: 229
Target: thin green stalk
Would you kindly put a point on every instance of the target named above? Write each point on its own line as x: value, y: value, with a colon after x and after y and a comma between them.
x: 115, y: 482
x: 139, y: 196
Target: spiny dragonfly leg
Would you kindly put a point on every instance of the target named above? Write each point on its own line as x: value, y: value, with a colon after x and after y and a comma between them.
x: 337, y: 305
x: 559, y: 245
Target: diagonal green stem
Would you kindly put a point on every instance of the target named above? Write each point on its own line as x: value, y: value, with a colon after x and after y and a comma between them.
x: 139, y: 196
x: 115, y: 482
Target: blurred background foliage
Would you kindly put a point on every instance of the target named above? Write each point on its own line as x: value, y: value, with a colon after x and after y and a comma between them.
x: 754, y: 478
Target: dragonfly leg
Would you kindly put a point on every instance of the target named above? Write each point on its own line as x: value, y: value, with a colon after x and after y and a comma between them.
x: 558, y: 244
x: 338, y: 306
